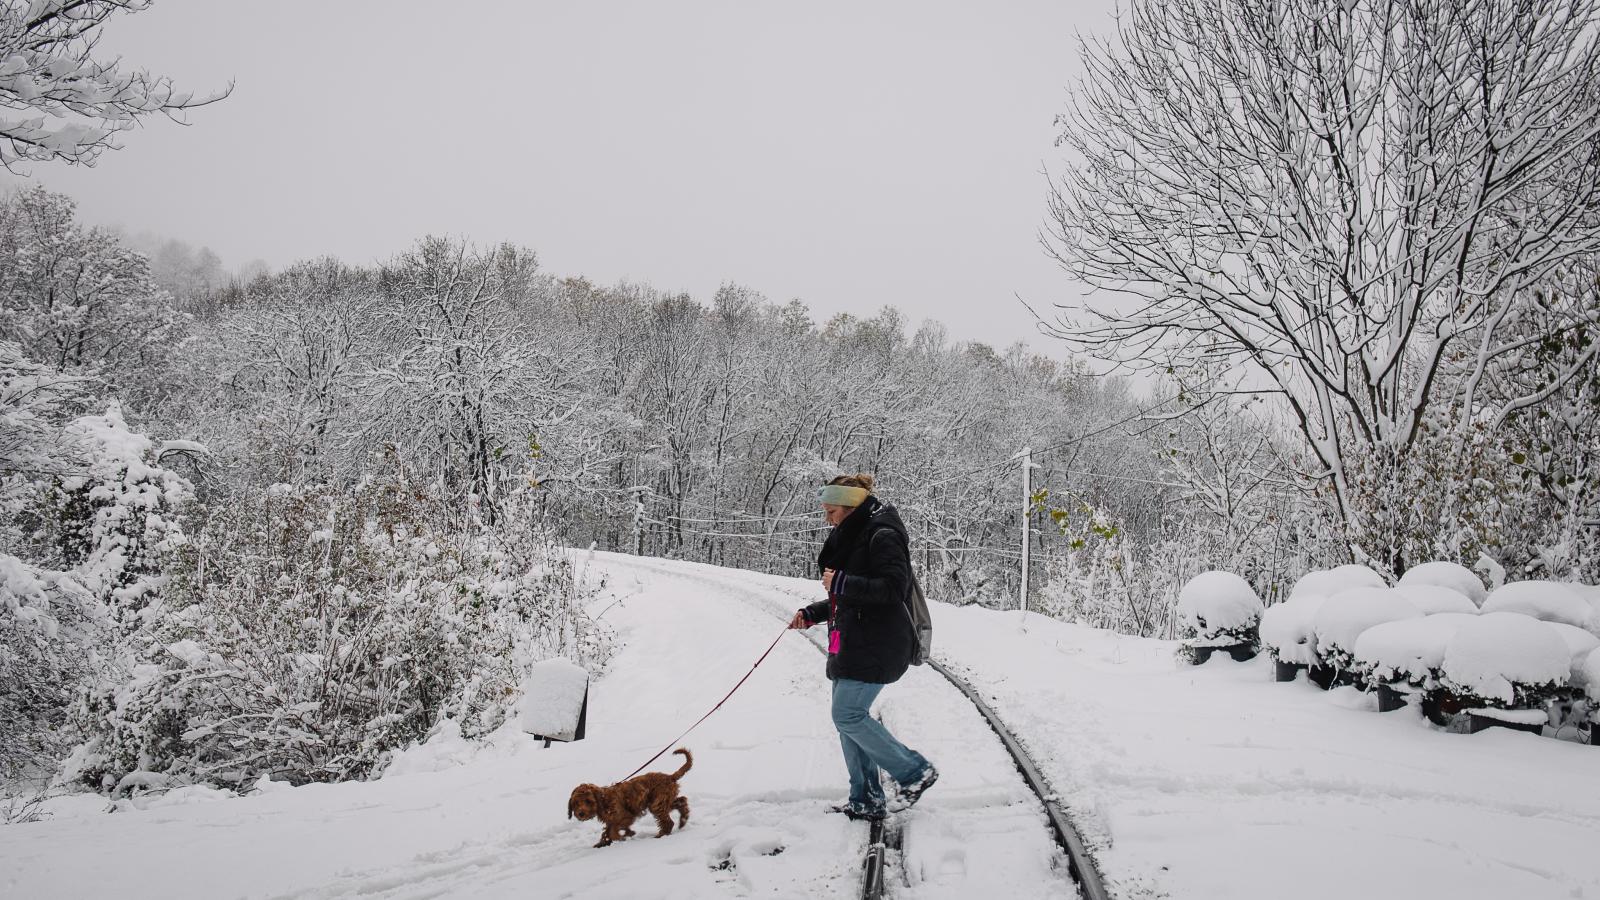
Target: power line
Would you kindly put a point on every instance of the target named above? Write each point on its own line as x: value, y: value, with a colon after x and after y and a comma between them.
x: 1140, y: 413
x: 742, y: 534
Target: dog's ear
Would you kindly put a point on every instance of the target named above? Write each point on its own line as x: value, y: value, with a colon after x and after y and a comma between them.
x: 572, y: 802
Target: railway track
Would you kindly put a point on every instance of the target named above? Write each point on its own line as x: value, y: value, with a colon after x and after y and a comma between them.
x: 1080, y: 863
x: 886, y: 839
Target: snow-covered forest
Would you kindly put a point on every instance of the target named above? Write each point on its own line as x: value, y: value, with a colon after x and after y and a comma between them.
x: 287, y: 521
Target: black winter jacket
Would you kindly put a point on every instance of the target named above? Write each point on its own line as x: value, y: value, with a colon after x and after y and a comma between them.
x: 872, y: 554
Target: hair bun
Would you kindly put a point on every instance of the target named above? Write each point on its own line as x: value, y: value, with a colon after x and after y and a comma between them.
x: 859, y: 480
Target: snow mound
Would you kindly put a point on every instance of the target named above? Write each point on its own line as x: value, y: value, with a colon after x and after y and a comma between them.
x: 1347, y: 614
x: 1286, y: 628
x: 552, y: 698
x: 1216, y: 602
x: 446, y: 747
x: 1549, y: 601
x: 1410, y: 650
x: 1433, y: 598
x: 1495, y: 650
x: 1450, y: 575
x: 1327, y: 582
x: 266, y: 785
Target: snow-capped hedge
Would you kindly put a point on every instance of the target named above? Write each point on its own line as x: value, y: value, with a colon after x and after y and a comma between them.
x: 1287, y: 628
x: 1504, y: 659
x: 1451, y: 575
x: 1432, y: 599
x: 1221, y: 607
x: 1409, y: 651
x: 1345, y: 615
x: 1549, y: 601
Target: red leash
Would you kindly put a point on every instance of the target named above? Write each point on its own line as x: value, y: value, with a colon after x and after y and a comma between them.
x: 713, y: 709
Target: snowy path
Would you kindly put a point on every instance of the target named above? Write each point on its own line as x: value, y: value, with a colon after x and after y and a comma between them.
x: 492, y: 823
x: 979, y: 832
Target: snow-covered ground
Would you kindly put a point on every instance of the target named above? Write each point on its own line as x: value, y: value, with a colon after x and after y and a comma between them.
x: 1208, y: 782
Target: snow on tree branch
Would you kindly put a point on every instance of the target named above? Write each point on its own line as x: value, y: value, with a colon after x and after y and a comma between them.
x: 59, y: 101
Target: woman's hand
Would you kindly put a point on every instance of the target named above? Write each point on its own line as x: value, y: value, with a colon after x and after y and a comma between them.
x: 827, y: 579
x: 799, y: 620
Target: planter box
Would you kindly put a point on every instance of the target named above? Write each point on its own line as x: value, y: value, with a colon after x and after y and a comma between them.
x: 1390, y: 699
x: 1285, y: 671
x: 1322, y: 676
x: 1239, y: 652
x: 1441, y: 706
x: 1483, y: 720
x: 1594, y: 734
x: 1243, y: 652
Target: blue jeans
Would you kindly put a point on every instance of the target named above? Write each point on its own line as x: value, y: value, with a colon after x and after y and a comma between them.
x: 868, y: 746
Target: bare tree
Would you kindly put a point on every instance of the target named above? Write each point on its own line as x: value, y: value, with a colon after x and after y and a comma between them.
x: 1354, y: 202
x: 76, y: 298
x: 464, y: 382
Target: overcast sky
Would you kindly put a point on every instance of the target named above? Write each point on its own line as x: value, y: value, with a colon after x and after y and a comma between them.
x: 850, y: 154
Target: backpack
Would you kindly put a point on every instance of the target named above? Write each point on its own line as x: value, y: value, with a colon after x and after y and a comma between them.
x: 916, y: 611
x: 921, y: 623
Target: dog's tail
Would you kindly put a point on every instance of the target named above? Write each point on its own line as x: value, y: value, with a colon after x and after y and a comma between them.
x: 688, y: 761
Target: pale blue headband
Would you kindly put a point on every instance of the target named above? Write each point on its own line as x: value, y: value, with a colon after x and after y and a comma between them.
x: 843, y: 495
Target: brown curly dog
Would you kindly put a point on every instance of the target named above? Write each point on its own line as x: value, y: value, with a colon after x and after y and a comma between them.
x: 620, y: 804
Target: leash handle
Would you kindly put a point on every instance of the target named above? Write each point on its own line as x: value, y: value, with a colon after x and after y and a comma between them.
x: 714, y: 708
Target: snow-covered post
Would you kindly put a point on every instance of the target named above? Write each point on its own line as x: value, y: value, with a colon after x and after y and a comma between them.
x: 1027, y: 507
x: 555, y: 701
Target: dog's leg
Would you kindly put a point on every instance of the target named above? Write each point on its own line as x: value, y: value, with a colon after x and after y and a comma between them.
x: 605, y: 837
x: 663, y: 814
x: 682, y: 806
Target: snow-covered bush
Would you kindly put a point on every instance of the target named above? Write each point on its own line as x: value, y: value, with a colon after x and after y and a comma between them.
x: 1407, y: 651
x: 1588, y: 674
x: 86, y: 516
x: 1505, y: 660
x: 1286, y: 629
x: 1450, y: 575
x: 1327, y: 582
x: 1345, y: 615
x: 309, y: 633
x: 1222, y: 609
x: 1549, y: 601
x: 118, y: 517
x: 1433, y: 598
x: 1580, y: 644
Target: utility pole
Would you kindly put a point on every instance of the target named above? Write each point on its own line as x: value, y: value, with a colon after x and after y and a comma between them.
x: 1027, y: 508
x: 638, y: 521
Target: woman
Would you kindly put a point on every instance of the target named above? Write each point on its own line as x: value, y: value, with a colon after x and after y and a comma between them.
x: 866, y: 570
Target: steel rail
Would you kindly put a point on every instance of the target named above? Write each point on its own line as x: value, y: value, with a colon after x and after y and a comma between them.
x: 1080, y: 863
